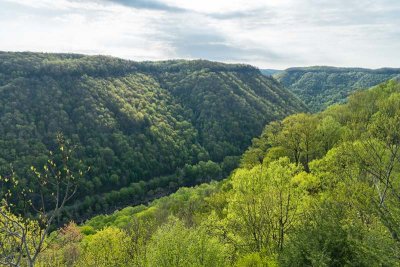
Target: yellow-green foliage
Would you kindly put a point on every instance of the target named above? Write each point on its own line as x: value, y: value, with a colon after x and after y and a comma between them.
x: 264, y: 205
x: 173, y: 244
x: 325, y: 195
x: 106, y: 248
x: 18, y: 238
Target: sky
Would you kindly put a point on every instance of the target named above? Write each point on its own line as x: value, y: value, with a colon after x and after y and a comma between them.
x: 268, y: 34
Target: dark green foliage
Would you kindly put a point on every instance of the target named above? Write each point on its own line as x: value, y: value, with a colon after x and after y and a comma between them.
x: 142, y: 192
x: 313, y: 190
x: 215, y: 97
x: 320, y: 87
x: 147, y: 127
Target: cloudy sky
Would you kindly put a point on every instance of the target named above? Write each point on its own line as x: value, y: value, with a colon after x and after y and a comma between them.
x: 268, y: 34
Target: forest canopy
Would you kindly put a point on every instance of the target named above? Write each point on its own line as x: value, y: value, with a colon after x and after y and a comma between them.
x: 141, y: 128
x: 320, y: 87
x: 313, y: 190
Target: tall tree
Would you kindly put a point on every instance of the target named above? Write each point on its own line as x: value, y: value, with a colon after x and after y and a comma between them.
x: 264, y: 205
x: 28, y: 229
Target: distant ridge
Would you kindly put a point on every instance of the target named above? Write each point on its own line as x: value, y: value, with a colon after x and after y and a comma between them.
x: 321, y: 86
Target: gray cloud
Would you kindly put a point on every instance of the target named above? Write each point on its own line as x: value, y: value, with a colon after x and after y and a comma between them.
x: 202, y: 41
x: 242, y: 14
x: 274, y: 34
x: 352, y: 12
x: 148, y: 4
x: 223, y: 52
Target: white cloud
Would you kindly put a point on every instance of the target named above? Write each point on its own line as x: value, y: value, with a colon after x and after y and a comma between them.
x: 274, y: 34
x: 221, y: 6
x: 82, y: 28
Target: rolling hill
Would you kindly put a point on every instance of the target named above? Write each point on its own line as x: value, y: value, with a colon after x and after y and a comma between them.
x: 144, y: 128
x: 322, y: 86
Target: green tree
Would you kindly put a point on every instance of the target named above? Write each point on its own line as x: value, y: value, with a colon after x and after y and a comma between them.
x: 175, y: 245
x: 26, y: 231
x: 264, y: 205
x: 106, y: 248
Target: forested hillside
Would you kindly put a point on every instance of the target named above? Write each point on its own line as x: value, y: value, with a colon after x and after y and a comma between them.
x: 320, y: 87
x: 313, y: 190
x: 138, y: 130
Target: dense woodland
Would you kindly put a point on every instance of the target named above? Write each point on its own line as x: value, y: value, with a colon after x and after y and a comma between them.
x: 320, y: 87
x: 313, y: 190
x: 137, y: 130
x: 87, y: 135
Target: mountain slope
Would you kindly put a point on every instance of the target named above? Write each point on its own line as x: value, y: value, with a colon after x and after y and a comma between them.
x: 130, y: 121
x: 325, y: 210
x: 320, y: 87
